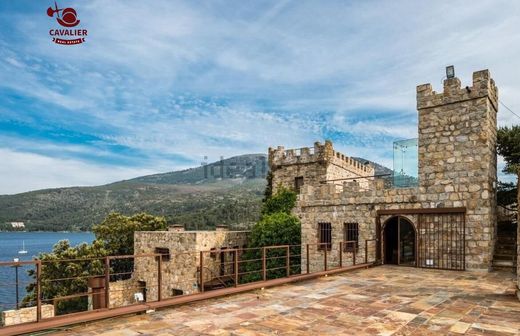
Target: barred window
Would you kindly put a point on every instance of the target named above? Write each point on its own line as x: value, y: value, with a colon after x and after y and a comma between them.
x: 351, y: 233
x: 164, y: 252
x: 325, y: 236
x: 298, y: 183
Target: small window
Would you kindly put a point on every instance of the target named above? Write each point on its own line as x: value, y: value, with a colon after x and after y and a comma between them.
x: 177, y: 292
x: 213, y: 255
x: 164, y: 252
x: 325, y: 236
x: 298, y: 183
x: 351, y: 233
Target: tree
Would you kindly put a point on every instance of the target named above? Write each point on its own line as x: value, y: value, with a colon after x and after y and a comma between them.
x: 283, y: 201
x: 114, y: 236
x: 269, y: 187
x: 508, y: 145
x: 65, y: 271
x: 506, y: 194
x: 116, y: 232
x: 277, y: 226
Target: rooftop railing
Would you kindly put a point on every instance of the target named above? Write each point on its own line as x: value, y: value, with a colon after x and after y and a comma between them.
x: 93, y: 288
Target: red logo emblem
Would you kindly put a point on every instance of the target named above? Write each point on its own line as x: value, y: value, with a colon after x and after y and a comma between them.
x: 66, y: 17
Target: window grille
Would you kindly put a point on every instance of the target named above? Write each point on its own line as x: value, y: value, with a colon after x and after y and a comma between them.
x: 298, y: 183
x: 325, y: 236
x: 164, y: 252
x: 351, y: 233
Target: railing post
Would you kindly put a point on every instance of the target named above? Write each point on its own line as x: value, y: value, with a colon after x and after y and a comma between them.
x: 159, y: 278
x: 38, y: 290
x: 264, y: 264
x: 107, y: 282
x: 366, y: 251
x: 325, y: 256
x: 354, y: 253
x: 201, y: 279
x: 340, y: 254
x: 288, y: 262
x: 236, y: 267
x: 308, y: 259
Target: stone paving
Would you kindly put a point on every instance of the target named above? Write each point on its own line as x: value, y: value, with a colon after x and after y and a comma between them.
x: 385, y: 300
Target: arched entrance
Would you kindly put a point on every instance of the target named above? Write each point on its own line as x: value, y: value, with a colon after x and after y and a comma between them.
x: 399, y: 241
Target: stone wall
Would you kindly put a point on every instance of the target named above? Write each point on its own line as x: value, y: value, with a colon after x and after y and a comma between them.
x: 180, y: 272
x: 457, y: 157
x: 24, y: 315
x: 121, y: 293
x: 315, y: 164
x: 457, y: 168
x: 342, y: 204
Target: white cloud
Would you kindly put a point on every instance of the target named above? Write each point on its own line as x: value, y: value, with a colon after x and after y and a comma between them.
x: 275, y: 63
x: 26, y: 171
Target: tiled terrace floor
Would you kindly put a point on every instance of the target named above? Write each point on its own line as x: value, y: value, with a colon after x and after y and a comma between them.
x: 384, y: 300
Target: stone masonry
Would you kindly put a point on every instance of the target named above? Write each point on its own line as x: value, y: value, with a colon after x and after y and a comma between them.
x: 457, y: 169
x: 180, y: 270
x: 314, y: 165
x: 24, y: 315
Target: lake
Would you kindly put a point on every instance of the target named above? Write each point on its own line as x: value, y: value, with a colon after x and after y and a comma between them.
x: 35, y: 242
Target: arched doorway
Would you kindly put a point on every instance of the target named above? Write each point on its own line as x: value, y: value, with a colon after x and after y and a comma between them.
x: 399, y: 242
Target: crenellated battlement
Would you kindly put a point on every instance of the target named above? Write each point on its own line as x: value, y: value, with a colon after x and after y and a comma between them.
x: 453, y: 92
x: 320, y: 153
x: 351, y: 164
x: 354, y: 192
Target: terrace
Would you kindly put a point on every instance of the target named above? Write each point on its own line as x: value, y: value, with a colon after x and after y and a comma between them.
x: 385, y: 300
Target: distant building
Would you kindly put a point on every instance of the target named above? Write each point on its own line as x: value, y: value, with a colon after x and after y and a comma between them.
x: 17, y: 225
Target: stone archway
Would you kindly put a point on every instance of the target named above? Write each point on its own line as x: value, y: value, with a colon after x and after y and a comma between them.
x: 399, y: 241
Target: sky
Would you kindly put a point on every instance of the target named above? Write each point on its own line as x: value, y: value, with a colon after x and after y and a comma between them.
x: 159, y: 85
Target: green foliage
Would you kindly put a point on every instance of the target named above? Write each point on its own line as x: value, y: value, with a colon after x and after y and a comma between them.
x: 283, y: 201
x: 58, y: 265
x: 269, y: 187
x: 508, y: 145
x: 276, y: 227
x: 116, y: 232
x: 114, y: 236
x: 202, y: 205
x: 506, y: 194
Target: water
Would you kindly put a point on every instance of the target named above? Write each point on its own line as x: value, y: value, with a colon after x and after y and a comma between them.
x: 35, y: 242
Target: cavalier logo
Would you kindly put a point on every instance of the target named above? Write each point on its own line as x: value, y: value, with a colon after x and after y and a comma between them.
x: 68, y: 18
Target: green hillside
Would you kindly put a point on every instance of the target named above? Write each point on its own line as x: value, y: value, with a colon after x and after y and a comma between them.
x: 224, y: 192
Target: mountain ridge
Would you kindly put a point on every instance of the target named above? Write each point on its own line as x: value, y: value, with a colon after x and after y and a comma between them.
x: 227, y: 191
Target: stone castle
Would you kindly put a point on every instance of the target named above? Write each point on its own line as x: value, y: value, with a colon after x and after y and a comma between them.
x: 446, y: 221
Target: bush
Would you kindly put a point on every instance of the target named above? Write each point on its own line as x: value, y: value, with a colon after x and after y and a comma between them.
x: 283, y: 201
x: 276, y: 227
x: 114, y: 236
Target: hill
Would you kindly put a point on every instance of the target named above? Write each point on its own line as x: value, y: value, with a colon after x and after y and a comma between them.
x: 228, y: 191
x: 224, y: 192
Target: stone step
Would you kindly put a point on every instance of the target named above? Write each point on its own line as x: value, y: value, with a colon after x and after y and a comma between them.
x: 504, y: 263
x: 509, y: 269
x: 511, y: 248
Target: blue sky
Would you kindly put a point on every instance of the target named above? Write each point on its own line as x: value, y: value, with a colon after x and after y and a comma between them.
x: 159, y: 85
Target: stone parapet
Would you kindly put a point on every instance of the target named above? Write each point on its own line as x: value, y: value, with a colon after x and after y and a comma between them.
x: 320, y: 153
x: 483, y: 86
x: 24, y: 315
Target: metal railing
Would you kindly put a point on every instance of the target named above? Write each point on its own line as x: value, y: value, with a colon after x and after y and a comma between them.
x: 112, y: 282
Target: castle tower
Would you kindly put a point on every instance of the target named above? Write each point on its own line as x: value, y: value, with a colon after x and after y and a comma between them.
x: 293, y: 168
x: 457, y: 157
